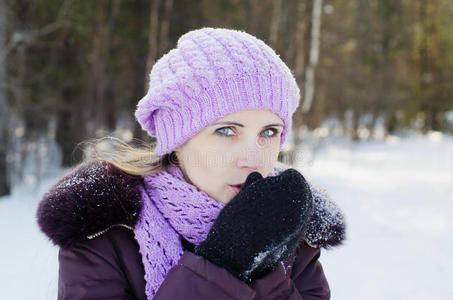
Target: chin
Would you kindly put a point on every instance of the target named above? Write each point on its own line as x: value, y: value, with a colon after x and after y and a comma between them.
x: 224, y: 200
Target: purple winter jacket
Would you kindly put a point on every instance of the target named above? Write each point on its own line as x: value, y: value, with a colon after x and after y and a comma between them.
x: 90, y: 213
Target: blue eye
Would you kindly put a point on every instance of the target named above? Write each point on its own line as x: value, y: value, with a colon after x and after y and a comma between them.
x: 223, y: 132
x: 274, y: 132
x: 218, y: 131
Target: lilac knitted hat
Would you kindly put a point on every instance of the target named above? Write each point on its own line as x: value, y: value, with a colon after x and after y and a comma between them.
x: 211, y: 73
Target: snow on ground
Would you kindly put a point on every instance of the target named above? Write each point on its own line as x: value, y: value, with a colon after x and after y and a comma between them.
x: 397, y: 196
x: 28, y: 261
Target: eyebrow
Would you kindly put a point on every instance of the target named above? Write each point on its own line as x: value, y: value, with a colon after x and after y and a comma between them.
x: 240, y: 125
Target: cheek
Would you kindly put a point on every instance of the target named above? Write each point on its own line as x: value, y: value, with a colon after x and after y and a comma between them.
x: 206, y: 171
x: 271, y: 159
x: 215, y: 159
x: 269, y: 152
x: 210, y: 181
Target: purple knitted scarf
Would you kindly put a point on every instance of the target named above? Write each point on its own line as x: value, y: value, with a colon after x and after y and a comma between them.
x: 171, y: 207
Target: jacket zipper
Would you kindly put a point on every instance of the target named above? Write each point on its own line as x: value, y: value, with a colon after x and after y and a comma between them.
x: 92, y: 236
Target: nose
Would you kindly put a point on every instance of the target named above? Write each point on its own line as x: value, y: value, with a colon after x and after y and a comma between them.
x: 250, y: 157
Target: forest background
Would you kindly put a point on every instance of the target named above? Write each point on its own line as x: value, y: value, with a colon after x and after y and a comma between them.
x: 72, y: 70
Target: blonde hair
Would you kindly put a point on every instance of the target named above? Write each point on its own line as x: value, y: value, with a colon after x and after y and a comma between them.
x: 131, y: 159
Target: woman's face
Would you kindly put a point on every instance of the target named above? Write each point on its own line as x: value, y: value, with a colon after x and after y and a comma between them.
x: 225, y: 152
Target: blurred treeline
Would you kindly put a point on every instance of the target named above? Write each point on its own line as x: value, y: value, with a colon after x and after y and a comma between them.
x: 74, y: 70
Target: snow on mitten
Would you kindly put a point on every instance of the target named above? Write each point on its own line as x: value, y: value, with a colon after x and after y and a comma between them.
x: 261, y: 226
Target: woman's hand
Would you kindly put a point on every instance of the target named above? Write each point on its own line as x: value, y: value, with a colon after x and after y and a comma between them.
x: 261, y: 226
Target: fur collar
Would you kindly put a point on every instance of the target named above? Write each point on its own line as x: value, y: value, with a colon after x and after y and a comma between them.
x: 96, y: 195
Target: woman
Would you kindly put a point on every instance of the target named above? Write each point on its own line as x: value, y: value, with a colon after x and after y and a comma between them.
x: 209, y: 214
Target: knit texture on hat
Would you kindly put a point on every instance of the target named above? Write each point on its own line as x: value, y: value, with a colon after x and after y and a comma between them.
x: 211, y: 73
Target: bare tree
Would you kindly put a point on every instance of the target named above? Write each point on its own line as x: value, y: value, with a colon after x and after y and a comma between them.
x: 18, y: 40
x: 4, y: 184
x: 165, y: 27
x: 275, y: 23
x: 297, y: 49
x: 158, y: 33
x: 313, y: 56
x: 153, y: 52
x: 105, y: 20
x: 299, y: 39
x: 152, y: 38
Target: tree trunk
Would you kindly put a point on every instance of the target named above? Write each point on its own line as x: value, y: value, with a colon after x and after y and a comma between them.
x: 298, y: 50
x: 372, y: 124
x: 254, y: 11
x: 355, y: 124
x: 433, y: 57
x: 5, y: 188
x: 152, y: 39
x: 69, y: 131
x: 71, y: 117
x: 300, y: 38
x: 153, y: 50
x: 105, y: 19
x: 165, y: 27
x: 309, y: 89
x: 275, y: 23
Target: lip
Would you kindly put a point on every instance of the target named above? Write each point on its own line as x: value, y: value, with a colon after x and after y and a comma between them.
x: 236, y: 189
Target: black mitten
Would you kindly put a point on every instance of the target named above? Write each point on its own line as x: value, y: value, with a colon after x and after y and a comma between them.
x: 261, y: 226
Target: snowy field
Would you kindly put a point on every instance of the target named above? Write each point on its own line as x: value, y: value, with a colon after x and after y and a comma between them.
x: 397, y: 196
